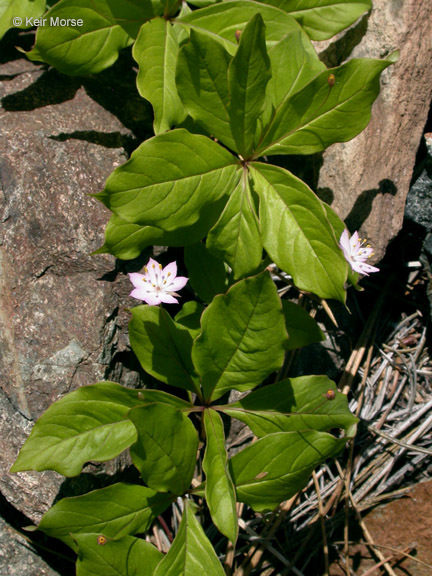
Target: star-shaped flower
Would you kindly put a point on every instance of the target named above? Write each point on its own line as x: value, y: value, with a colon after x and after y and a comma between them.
x: 356, y: 253
x: 157, y: 284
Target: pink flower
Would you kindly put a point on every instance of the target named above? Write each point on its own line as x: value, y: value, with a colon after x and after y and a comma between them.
x: 356, y: 253
x: 157, y: 284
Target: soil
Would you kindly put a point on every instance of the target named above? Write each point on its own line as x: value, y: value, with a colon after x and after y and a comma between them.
x: 404, y: 524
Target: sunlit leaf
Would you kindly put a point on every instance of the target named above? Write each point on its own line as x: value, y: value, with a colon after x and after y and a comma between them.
x: 219, y: 489
x: 322, y: 19
x: 297, y: 234
x: 191, y: 552
x: 279, y: 465
x: 243, y: 337
x: 115, y: 511
x: 156, y: 50
x: 24, y: 9
x: 88, y: 424
x: 324, y: 112
x: 128, y: 556
x: 107, y: 27
x: 236, y: 236
x: 171, y: 181
x: 303, y: 403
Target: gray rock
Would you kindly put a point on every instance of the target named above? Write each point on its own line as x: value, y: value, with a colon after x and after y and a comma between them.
x: 418, y: 207
x: 368, y: 178
x: 17, y: 557
x: 61, y: 322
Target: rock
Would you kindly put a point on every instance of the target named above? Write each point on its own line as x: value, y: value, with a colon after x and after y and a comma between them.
x: 368, y: 178
x: 419, y: 200
x: 17, y: 558
x: 62, y: 323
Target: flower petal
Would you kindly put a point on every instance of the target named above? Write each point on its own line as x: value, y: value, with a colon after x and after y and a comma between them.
x: 137, y: 279
x: 167, y: 298
x: 149, y: 297
x: 364, y: 268
x: 177, y: 284
x: 153, y: 271
x: 170, y: 271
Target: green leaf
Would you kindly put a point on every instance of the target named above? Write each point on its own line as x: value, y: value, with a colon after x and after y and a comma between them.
x: 243, y: 337
x: 171, y: 7
x: 88, y: 424
x: 108, y: 27
x: 202, y: 3
x: 173, y: 180
x: 156, y: 50
x: 190, y: 317
x: 297, y: 234
x: 162, y: 346
x: 236, y: 236
x: 191, y: 552
x: 202, y: 82
x: 322, y: 19
x: 306, y: 402
x: 207, y: 274
x: 148, y: 396
x: 323, y: 113
x: 278, y: 466
x: 23, y: 9
x: 294, y: 64
x: 116, y: 511
x: 222, y: 20
x: 219, y: 488
x: 302, y: 328
x: 248, y: 75
x: 126, y: 240
x: 128, y: 556
x: 166, y: 449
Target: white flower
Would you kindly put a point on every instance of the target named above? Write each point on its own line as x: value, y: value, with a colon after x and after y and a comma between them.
x: 356, y: 253
x: 157, y: 284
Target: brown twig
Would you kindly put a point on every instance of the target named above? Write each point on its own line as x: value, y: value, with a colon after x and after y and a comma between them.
x: 322, y: 522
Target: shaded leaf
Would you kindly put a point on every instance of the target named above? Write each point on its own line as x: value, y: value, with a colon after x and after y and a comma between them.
x: 88, y: 424
x: 302, y: 328
x: 162, y: 346
x: 191, y: 552
x: 190, y: 317
x: 115, y: 511
x: 166, y: 449
x: 207, y: 274
x: 219, y: 488
x: 242, y: 339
